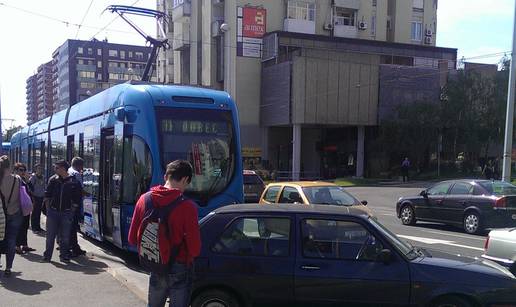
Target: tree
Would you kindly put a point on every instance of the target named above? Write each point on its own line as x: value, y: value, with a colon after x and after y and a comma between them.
x: 8, y: 133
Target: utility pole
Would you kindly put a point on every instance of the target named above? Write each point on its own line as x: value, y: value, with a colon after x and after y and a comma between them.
x: 507, y: 151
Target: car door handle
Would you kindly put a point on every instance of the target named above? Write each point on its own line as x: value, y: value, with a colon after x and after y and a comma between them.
x: 310, y: 267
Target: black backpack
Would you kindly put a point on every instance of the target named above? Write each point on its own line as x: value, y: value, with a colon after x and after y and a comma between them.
x: 149, y: 251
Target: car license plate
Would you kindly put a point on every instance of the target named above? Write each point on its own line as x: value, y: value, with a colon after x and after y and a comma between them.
x: 514, y: 216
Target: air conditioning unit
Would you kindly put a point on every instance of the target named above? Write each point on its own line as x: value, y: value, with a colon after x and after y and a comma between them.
x: 428, y: 32
x: 428, y: 40
x: 362, y: 25
x: 328, y: 26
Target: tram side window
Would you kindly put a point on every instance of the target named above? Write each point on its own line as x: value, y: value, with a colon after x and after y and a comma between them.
x: 91, y: 165
x: 57, y: 149
x: 137, y: 168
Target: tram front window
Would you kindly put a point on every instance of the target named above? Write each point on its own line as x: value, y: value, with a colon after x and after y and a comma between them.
x: 203, y: 137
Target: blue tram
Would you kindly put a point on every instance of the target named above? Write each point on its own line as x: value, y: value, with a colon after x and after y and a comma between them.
x: 126, y: 135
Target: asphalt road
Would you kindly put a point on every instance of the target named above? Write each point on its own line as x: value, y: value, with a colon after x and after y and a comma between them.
x: 382, y: 201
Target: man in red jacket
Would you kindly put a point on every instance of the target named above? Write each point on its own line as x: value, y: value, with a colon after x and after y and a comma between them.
x: 184, y: 232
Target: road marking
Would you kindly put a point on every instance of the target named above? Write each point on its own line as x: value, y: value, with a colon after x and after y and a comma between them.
x: 431, y: 241
x: 455, y: 235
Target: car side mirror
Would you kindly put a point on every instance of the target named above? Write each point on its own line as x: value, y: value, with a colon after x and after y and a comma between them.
x: 364, y: 202
x: 385, y: 256
x: 424, y: 194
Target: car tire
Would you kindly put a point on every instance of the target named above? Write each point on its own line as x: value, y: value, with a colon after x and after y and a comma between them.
x: 215, y: 298
x: 451, y: 301
x: 407, y: 215
x: 472, y: 223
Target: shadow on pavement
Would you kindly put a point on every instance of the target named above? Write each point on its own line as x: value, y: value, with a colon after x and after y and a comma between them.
x: 83, y: 264
x: 26, y: 287
x: 444, y: 227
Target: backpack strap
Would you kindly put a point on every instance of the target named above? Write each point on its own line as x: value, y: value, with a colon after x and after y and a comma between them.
x: 12, y: 188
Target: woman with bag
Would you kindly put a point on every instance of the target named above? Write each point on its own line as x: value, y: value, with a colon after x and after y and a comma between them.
x: 10, y: 187
x: 26, y: 205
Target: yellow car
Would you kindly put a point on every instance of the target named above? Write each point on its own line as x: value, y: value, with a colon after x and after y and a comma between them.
x: 310, y: 192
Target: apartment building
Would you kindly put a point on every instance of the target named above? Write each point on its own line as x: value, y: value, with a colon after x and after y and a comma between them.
x: 84, y: 68
x: 310, y: 72
x: 40, y: 100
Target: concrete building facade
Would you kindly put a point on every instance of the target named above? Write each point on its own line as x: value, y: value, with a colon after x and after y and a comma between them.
x: 305, y: 74
x: 39, y: 93
x: 84, y: 68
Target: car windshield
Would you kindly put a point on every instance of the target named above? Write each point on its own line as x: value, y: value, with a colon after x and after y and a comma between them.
x: 404, y: 247
x: 499, y: 188
x: 329, y: 195
x: 203, y: 137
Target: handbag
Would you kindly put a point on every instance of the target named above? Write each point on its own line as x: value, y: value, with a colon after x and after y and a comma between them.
x: 25, y: 201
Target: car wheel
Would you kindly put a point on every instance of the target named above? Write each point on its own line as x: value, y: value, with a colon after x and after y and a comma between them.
x: 451, y: 301
x: 472, y: 222
x: 215, y: 298
x: 407, y: 215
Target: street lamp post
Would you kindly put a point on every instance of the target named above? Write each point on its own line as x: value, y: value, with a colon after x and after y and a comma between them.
x: 507, y: 151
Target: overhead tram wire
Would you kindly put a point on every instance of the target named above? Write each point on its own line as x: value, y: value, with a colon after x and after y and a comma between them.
x: 83, y: 18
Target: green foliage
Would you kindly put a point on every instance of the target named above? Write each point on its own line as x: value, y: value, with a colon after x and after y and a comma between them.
x: 8, y: 133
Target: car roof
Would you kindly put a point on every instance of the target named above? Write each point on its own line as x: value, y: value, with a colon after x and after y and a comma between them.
x: 304, y: 184
x: 293, y: 208
x: 477, y: 181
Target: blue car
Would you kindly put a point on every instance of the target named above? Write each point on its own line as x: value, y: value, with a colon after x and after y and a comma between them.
x: 299, y: 255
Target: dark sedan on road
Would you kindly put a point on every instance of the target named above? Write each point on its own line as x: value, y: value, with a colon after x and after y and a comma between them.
x: 322, y: 255
x: 474, y: 205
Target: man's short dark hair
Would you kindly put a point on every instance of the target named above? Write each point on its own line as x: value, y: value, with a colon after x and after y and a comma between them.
x: 63, y: 164
x: 18, y: 166
x: 178, y: 169
x: 77, y: 162
x: 37, y: 165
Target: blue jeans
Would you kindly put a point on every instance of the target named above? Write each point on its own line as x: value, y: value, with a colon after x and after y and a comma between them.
x: 58, y: 223
x: 12, y: 227
x: 176, y: 286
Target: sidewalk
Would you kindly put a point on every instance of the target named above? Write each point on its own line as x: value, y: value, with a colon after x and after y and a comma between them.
x: 86, y: 281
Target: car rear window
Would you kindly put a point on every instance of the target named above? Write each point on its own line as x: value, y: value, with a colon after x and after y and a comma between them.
x: 499, y: 188
x: 252, y: 179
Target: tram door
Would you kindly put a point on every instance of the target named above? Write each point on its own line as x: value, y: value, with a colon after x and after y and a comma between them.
x: 106, y: 173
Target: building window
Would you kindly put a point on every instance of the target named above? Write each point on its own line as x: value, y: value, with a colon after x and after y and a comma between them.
x: 418, y: 4
x: 87, y: 85
x: 416, y: 33
x: 79, y: 50
x: 86, y: 74
x: 344, y: 17
x: 80, y: 61
x: 113, y: 52
x: 373, y: 25
x: 113, y: 64
x: 301, y: 10
x: 122, y: 65
x: 90, y: 51
x: 130, y: 54
x: 122, y: 54
x: 99, y: 51
x: 138, y: 55
x: 374, y: 2
x: 99, y: 76
x: 99, y: 64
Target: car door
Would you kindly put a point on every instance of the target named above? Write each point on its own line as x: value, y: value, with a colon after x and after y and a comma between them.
x: 254, y: 254
x: 433, y: 202
x: 336, y: 265
x: 457, y: 200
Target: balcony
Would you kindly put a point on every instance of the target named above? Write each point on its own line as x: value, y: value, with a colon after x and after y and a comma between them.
x: 341, y: 30
x: 350, y: 4
x: 181, y: 13
x: 299, y: 26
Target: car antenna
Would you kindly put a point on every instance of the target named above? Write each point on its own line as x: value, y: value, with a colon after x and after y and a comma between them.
x: 156, y: 43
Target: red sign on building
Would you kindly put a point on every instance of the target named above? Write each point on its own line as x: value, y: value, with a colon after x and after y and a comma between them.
x: 254, y: 20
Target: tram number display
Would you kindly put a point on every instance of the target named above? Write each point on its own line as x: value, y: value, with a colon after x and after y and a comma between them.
x: 192, y: 126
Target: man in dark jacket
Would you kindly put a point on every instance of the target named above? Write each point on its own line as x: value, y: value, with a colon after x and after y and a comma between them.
x: 184, y: 232
x: 63, y: 196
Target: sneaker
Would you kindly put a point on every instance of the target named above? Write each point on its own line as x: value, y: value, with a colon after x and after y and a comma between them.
x: 65, y: 260
x: 7, y: 272
x: 79, y: 252
x: 28, y: 249
x: 45, y: 259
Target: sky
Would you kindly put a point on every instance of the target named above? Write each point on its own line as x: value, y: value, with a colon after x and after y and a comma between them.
x: 31, y: 30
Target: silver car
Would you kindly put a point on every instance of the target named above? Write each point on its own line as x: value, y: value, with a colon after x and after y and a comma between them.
x: 501, y: 247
